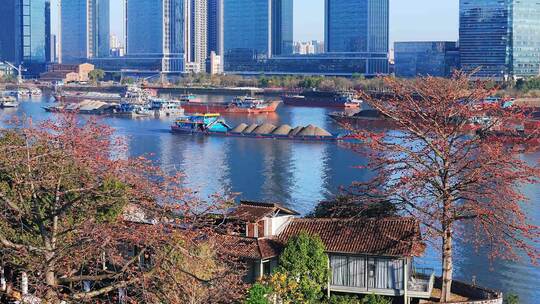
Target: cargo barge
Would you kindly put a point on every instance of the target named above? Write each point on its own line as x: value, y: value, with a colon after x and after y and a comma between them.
x: 213, y: 125
x: 365, y: 119
x: 75, y: 97
x: 239, y: 105
x: 323, y: 99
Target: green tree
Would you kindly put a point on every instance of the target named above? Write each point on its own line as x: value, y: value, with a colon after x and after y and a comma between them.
x: 258, y: 294
x: 96, y: 75
x: 349, y: 205
x: 305, y: 262
x: 375, y: 299
x: 334, y: 299
x: 511, y: 299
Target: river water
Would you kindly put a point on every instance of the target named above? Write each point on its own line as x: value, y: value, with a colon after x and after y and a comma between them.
x: 296, y: 174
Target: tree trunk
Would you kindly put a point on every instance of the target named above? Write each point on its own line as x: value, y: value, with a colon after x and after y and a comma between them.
x: 447, y: 265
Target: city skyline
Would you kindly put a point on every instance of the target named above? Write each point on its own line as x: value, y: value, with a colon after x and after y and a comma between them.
x: 441, y: 16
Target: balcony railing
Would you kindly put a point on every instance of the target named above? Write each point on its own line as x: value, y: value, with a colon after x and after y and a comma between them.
x: 421, y: 282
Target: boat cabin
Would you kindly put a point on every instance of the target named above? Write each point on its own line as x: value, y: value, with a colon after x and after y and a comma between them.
x: 209, y: 122
x: 365, y: 255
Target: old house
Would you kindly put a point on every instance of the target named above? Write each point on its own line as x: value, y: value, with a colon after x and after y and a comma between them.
x: 365, y: 255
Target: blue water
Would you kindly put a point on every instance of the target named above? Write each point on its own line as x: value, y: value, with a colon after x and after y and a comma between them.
x: 297, y: 174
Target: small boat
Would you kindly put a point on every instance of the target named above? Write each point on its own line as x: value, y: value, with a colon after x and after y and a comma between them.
x: 166, y: 107
x: 345, y: 99
x: 8, y: 102
x: 239, y: 105
x: 21, y: 92
x: 135, y: 94
x: 36, y: 92
x: 211, y: 124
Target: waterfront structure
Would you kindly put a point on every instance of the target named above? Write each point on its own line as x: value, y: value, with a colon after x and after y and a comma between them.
x: 67, y: 72
x: 366, y: 256
x: 84, y: 30
x: 422, y: 58
x: 361, y: 27
x: 155, y: 35
x: 255, y: 30
x: 25, y: 35
x: 500, y: 39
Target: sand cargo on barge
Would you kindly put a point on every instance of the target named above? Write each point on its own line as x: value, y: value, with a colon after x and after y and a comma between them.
x: 213, y: 125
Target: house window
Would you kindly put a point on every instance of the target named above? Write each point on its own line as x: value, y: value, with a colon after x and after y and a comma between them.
x: 366, y: 273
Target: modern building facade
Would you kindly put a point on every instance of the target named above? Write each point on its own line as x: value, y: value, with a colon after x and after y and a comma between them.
x: 422, y: 58
x: 255, y: 30
x: 196, y: 43
x: 25, y: 33
x: 500, y: 39
x: 361, y: 27
x: 155, y: 32
x: 215, y: 27
x: 84, y: 30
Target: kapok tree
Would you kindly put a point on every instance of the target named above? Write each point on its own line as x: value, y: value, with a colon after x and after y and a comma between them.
x: 451, y: 161
x: 84, y: 221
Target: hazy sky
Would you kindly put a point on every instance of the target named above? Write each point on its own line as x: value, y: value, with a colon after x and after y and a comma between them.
x: 409, y: 19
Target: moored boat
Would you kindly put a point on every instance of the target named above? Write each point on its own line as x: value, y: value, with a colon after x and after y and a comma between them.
x: 211, y: 124
x: 166, y: 107
x: 344, y: 99
x: 365, y: 119
x: 8, y: 102
x: 91, y: 107
x: 239, y: 105
x: 134, y: 110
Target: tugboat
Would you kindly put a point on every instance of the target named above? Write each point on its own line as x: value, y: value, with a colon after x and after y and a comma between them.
x: 8, y: 102
x: 134, y: 110
x: 211, y: 124
x: 323, y: 99
x: 239, y: 105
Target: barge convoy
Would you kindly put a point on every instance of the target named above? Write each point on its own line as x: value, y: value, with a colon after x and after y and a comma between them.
x: 212, y: 124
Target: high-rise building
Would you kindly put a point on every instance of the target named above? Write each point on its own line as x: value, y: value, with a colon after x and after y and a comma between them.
x: 25, y: 26
x: 500, y: 38
x: 197, y: 31
x: 84, y: 30
x: 359, y: 26
x: 256, y: 29
x: 215, y: 27
x: 155, y: 31
x: 433, y: 58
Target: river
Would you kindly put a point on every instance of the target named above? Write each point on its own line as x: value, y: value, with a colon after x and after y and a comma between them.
x: 296, y: 174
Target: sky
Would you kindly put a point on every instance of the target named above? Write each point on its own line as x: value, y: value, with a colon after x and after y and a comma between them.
x: 409, y: 19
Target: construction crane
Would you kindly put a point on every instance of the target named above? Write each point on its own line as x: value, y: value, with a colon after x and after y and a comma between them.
x: 19, y: 71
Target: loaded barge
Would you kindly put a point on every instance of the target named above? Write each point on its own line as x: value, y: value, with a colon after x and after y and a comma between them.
x: 213, y: 125
x: 239, y: 105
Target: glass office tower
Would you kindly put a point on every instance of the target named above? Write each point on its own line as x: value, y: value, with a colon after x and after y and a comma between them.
x: 155, y: 30
x: 24, y: 33
x: 256, y: 30
x: 85, y: 29
x: 526, y: 38
x: 215, y: 27
x: 359, y: 26
x: 500, y: 38
x: 422, y: 58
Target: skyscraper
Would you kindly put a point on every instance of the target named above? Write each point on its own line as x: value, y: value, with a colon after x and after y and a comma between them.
x: 197, y: 31
x: 215, y: 27
x: 500, y: 38
x: 359, y: 26
x: 256, y: 29
x: 24, y: 33
x: 84, y: 30
x: 155, y: 29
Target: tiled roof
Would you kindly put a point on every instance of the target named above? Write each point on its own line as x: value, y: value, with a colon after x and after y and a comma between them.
x: 254, y: 211
x: 249, y: 248
x: 388, y: 237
